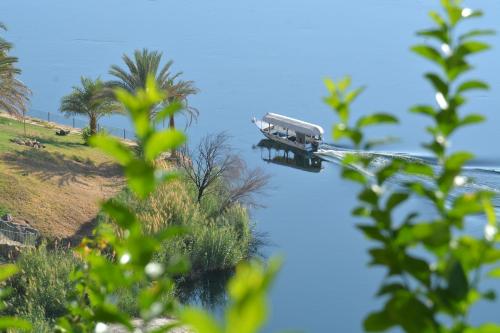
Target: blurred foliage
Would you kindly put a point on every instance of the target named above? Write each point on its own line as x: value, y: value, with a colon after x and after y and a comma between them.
x: 120, y: 272
x: 433, y: 269
x: 247, y: 310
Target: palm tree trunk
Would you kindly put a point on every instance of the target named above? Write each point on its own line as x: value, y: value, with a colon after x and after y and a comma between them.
x: 171, y: 123
x: 93, y: 124
x: 24, y: 123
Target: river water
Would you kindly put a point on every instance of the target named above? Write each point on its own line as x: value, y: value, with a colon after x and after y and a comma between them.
x: 253, y: 57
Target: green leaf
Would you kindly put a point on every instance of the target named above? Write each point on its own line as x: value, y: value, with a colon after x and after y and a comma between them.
x: 454, y: 12
x: 410, y: 313
x: 371, y: 232
x: 368, y: 196
x: 112, y: 147
x: 489, y: 211
x: 141, y: 177
x: 485, y: 328
x: 432, y: 234
x: 9, y: 323
x: 437, y: 18
x: 377, y: 322
x: 119, y: 213
x: 390, y: 288
x: 429, y: 53
x: 353, y: 175
x: 7, y: 270
x: 339, y: 131
x: 458, y: 286
x: 388, y: 171
x: 418, y: 268
x: 475, y: 33
x: 472, y: 119
x: 369, y: 144
x: 489, y: 295
x: 439, y: 34
x: 472, y: 85
x: 163, y: 141
x: 457, y: 160
x: 419, y: 169
x: 396, y: 199
x: 466, y: 204
x: 248, y: 311
x: 453, y: 70
x: 139, y: 109
x: 471, y: 47
x: 360, y: 211
x: 438, y: 83
x: 199, y: 321
x: 353, y: 95
x: 424, y: 109
x: 330, y: 85
x: 495, y: 273
x: 108, y: 313
x: 344, y: 83
x: 168, y: 111
x: 376, y: 118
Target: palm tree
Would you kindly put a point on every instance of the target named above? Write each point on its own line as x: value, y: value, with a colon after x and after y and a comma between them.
x: 14, y: 95
x: 146, y: 63
x: 88, y: 100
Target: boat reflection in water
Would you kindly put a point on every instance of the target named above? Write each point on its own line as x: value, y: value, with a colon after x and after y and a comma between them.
x: 277, y: 153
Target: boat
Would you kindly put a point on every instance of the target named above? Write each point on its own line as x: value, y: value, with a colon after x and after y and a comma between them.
x: 284, y: 155
x: 289, y: 131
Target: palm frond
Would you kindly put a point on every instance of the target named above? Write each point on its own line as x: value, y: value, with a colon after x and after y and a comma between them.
x: 145, y: 63
x: 14, y: 95
x: 89, y: 99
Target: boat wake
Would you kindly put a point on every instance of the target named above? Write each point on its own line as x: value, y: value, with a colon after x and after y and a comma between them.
x: 478, y: 177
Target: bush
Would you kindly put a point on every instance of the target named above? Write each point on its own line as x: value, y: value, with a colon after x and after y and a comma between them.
x: 214, y: 243
x: 86, y: 134
x: 42, y: 287
x: 3, y: 211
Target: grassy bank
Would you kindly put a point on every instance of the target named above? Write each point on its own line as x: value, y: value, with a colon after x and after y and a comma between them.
x: 55, y: 189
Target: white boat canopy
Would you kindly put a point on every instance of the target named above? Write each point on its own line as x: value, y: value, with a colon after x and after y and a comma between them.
x: 295, y: 125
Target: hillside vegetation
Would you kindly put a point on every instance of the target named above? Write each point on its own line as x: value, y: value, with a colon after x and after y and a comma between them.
x: 55, y: 189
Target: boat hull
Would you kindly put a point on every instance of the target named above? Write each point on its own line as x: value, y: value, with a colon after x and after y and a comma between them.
x: 288, y: 142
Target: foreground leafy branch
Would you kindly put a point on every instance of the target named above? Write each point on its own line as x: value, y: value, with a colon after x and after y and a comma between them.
x: 433, y: 269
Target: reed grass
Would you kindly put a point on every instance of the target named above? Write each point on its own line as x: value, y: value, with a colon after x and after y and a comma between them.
x: 215, y: 241
x: 43, y: 286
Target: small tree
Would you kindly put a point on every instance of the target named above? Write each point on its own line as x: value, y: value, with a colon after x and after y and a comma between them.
x: 243, y: 186
x: 89, y: 100
x: 212, y: 161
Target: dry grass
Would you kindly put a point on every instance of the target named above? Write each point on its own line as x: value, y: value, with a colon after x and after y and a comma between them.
x: 56, y: 189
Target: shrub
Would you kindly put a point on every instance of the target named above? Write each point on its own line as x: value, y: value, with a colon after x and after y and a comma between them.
x: 43, y: 286
x: 3, y: 211
x: 86, y: 134
x: 212, y: 244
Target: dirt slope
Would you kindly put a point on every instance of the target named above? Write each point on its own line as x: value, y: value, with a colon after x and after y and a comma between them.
x: 55, y: 189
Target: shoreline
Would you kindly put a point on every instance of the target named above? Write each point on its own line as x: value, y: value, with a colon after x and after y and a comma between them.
x: 54, y: 125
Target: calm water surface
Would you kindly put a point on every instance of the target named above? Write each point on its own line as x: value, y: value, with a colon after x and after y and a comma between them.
x: 252, y: 57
